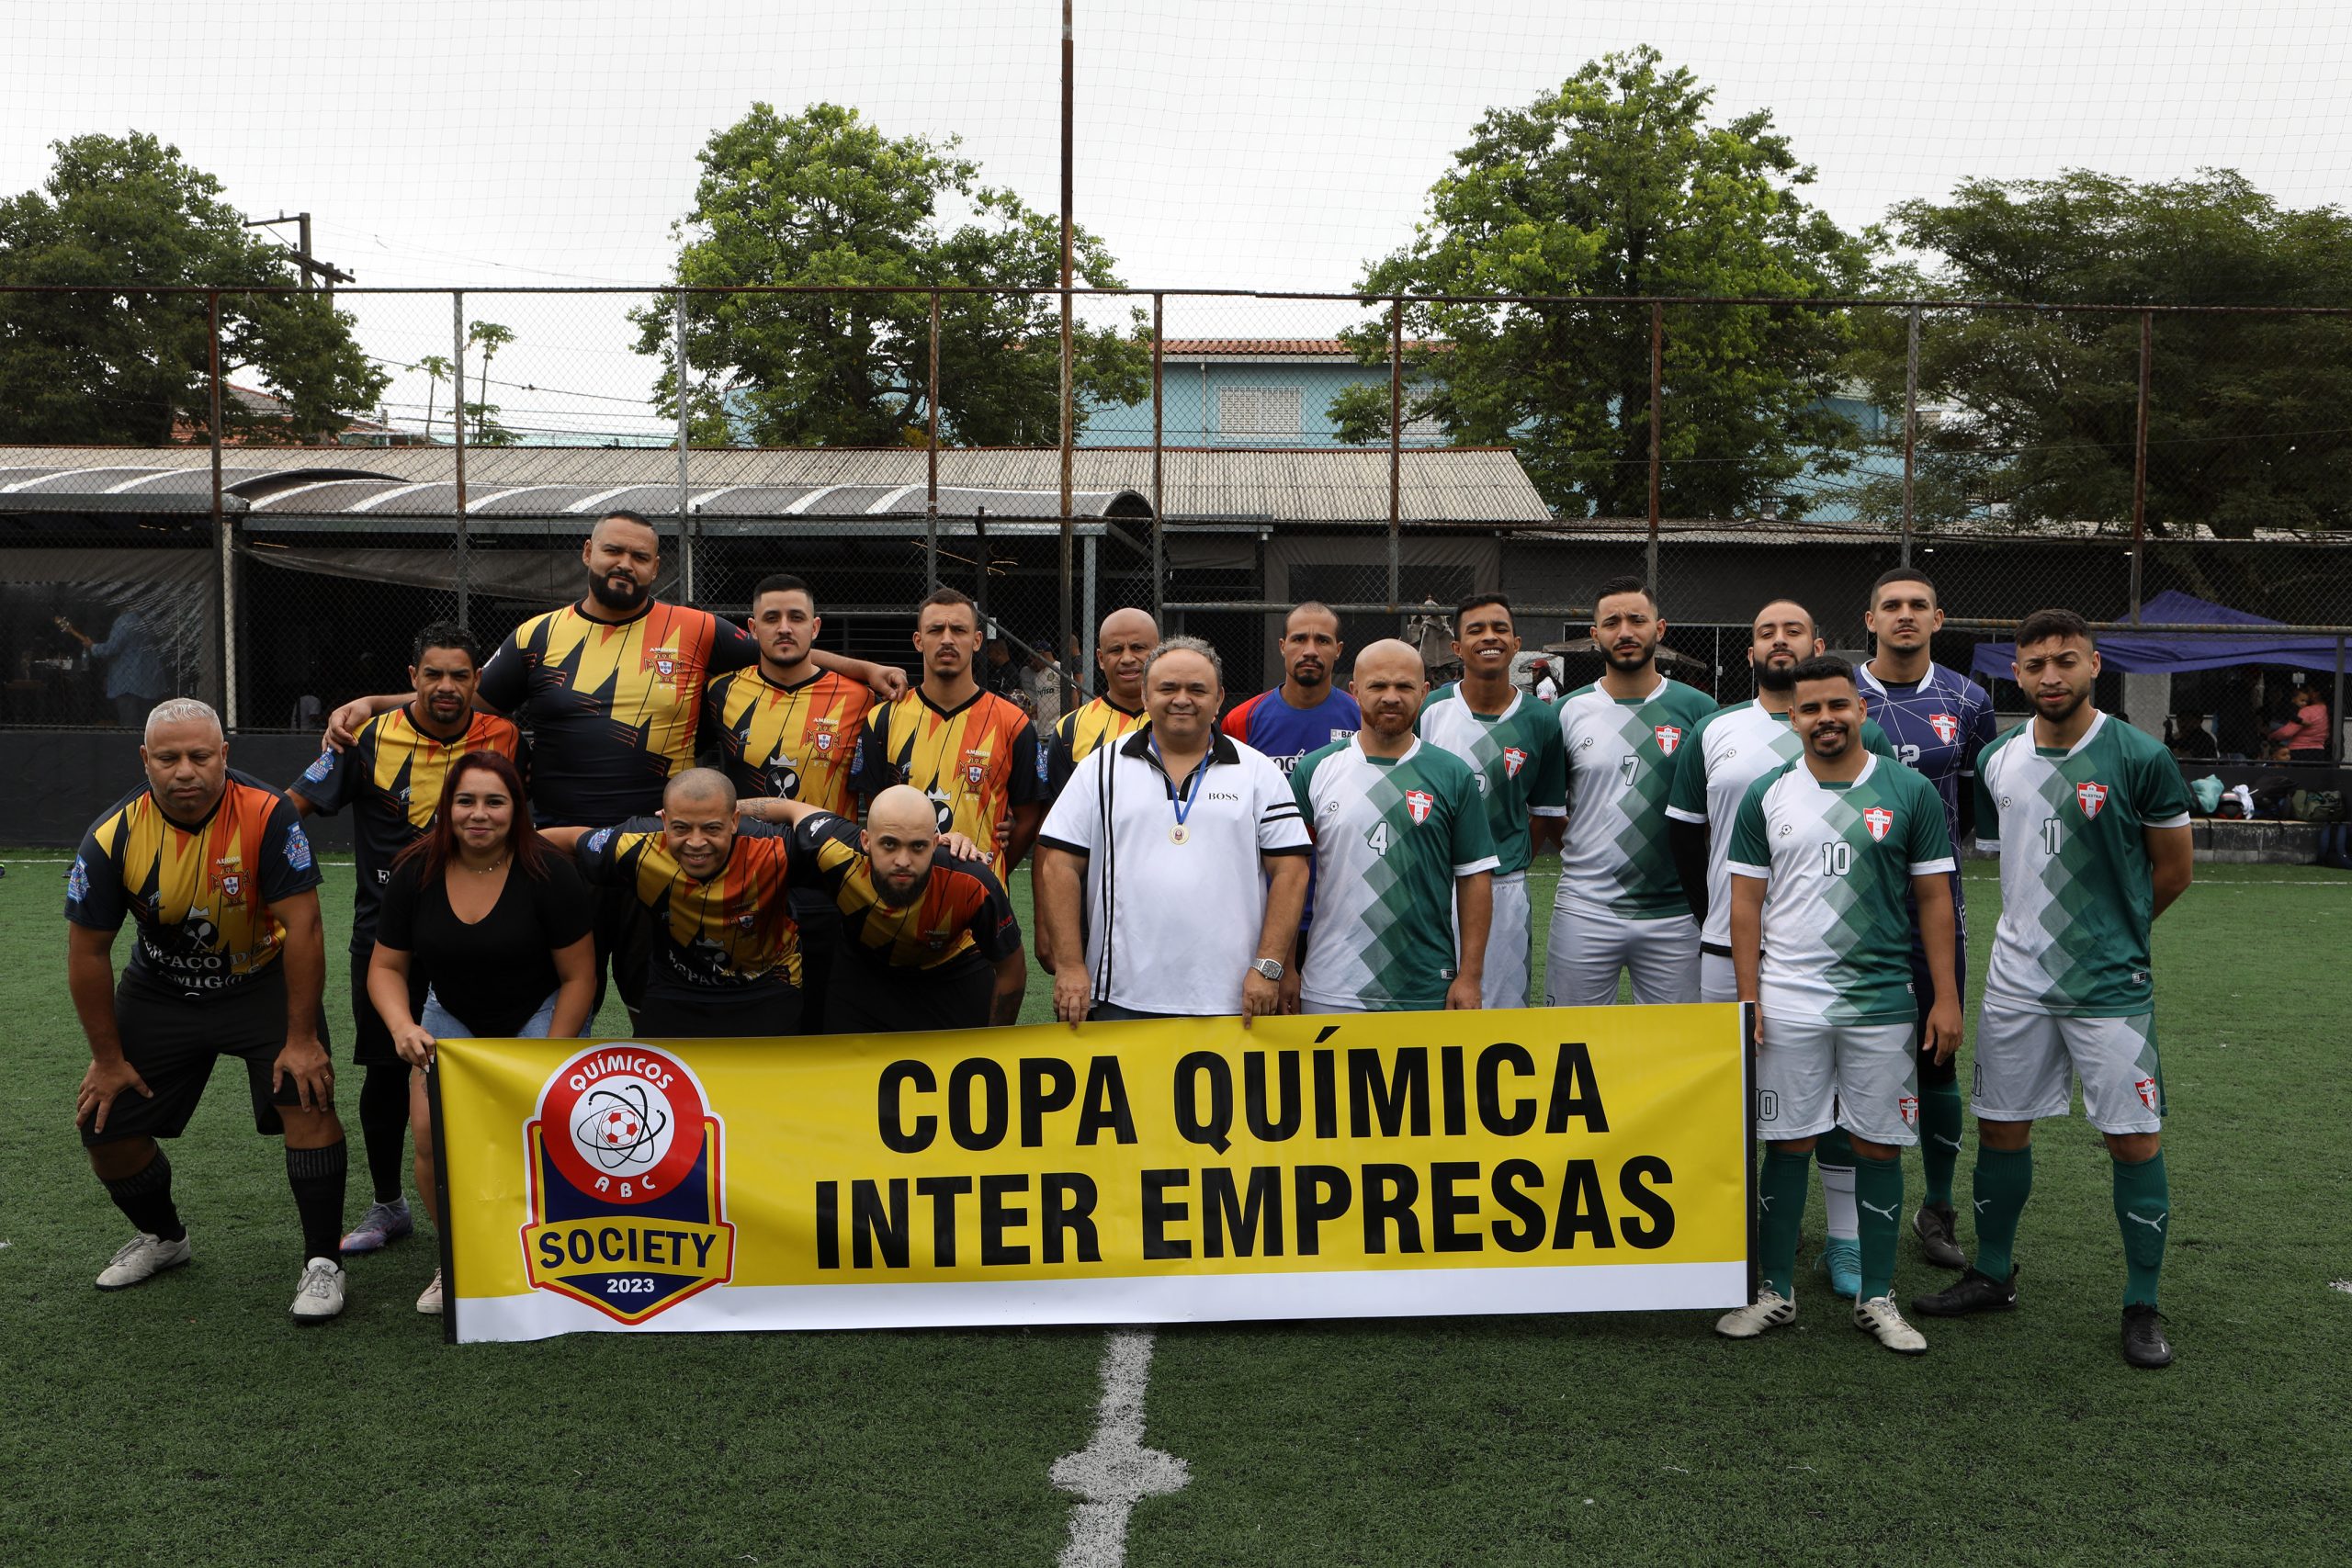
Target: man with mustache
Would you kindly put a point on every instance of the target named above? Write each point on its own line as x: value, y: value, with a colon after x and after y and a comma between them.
x: 1620, y: 905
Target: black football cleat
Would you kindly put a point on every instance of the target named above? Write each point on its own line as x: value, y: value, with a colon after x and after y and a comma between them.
x: 1973, y: 1292
x: 2145, y: 1344
x: 1933, y: 1225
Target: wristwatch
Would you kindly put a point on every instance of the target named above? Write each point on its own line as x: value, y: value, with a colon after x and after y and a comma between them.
x: 1272, y: 968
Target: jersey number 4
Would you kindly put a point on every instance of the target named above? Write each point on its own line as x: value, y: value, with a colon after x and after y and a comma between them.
x: 1378, y: 838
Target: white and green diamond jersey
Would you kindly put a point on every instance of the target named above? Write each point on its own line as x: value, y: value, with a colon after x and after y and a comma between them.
x: 1516, y: 758
x: 1837, y: 860
x: 1390, y: 838
x: 1621, y: 768
x: 1732, y: 748
x: 2077, y: 889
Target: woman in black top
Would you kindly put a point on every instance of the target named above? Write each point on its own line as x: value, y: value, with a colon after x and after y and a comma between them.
x: 499, y: 926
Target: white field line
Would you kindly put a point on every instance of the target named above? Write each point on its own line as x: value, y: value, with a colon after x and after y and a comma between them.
x: 1115, y: 1471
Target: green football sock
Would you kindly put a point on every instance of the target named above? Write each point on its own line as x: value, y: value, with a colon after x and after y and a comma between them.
x: 1878, y: 1194
x: 2004, y: 1180
x: 2143, y: 1207
x: 1940, y: 1139
x: 1779, y: 1198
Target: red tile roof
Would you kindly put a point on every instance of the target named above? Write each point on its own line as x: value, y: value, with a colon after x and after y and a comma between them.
x: 1266, y: 347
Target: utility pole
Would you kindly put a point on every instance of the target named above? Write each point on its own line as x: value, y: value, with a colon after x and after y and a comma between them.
x: 1068, y: 422
x: 303, y: 256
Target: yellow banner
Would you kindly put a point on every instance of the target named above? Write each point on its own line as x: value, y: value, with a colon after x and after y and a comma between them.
x: 1545, y: 1160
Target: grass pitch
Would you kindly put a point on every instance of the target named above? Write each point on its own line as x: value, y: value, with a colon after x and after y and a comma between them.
x: 188, y: 1421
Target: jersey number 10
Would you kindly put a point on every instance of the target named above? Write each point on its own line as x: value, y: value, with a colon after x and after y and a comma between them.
x: 1836, y: 858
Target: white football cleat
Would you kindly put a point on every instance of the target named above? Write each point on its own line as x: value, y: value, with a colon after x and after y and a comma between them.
x: 141, y: 1258
x: 429, y: 1300
x: 1879, y: 1317
x: 1769, y: 1309
x: 320, y: 1296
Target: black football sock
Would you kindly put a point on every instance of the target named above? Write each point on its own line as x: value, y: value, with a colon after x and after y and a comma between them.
x: 317, y: 1178
x: 145, y: 1198
x: 383, y: 1126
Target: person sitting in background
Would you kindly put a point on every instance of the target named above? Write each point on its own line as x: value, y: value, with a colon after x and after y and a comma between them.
x: 2191, y: 741
x: 2305, y: 735
x: 500, y: 924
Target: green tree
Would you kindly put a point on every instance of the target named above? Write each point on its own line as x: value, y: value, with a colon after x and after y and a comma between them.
x: 436, y: 371
x: 1618, y: 183
x: 824, y: 198
x: 128, y: 213
x: 490, y: 337
x: 2036, y: 412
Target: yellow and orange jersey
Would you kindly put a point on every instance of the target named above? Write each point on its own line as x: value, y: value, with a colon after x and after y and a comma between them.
x: 795, y: 742
x: 960, y: 913
x: 1080, y: 731
x: 613, y: 706
x: 200, y: 894
x: 976, y: 761
x: 736, y: 930
x: 391, y: 776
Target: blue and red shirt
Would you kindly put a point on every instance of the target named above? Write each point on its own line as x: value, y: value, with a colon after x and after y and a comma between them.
x: 1269, y: 724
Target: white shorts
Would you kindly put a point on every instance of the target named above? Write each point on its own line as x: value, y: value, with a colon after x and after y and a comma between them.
x: 2026, y: 1062
x: 1812, y: 1076
x: 1511, y: 945
x: 1718, y: 982
x: 1589, y: 946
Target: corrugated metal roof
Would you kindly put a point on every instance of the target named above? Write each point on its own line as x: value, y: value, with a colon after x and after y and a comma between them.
x: 1450, y: 485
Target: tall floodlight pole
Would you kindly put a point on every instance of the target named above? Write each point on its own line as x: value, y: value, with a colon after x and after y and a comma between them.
x: 1070, y: 71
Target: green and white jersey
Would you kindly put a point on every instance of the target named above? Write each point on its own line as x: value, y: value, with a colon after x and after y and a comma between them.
x: 2077, y: 889
x: 1733, y: 748
x: 1836, y: 860
x: 1390, y: 838
x: 1517, y: 757
x: 1621, y: 768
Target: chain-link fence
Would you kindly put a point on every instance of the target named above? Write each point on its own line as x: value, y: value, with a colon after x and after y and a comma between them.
x: 203, y: 523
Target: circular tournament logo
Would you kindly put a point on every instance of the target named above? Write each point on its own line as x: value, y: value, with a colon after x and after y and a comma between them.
x: 622, y: 1123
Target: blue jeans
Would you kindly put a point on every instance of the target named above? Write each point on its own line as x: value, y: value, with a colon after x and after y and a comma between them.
x: 440, y: 1023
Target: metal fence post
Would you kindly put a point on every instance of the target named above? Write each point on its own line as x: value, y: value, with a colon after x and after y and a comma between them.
x: 685, y: 491
x: 457, y: 391
x: 229, y: 656
x: 1910, y: 424
x: 1658, y: 380
x: 1158, y: 504
x: 931, y: 492
x: 1396, y: 448
x: 2139, y: 464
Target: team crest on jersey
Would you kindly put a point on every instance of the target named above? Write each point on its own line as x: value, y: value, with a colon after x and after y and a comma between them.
x: 1907, y: 1107
x: 1418, y: 804
x: 1946, y: 726
x: 228, y: 876
x: 1668, y: 737
x: 626, y: 1198
x: 976, y: 768
x: 668, y: 666
x: 2091, y: 796
x: 2146, y: 1089
x: 1878, y: 820
x: 1514, y: 759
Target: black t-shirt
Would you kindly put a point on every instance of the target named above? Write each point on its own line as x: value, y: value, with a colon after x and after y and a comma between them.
x: 492, y: 975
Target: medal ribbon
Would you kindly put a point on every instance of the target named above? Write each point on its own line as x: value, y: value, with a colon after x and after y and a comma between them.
x: 1180, y: 801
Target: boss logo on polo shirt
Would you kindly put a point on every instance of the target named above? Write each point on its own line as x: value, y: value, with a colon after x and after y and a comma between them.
x: 1224, y: 795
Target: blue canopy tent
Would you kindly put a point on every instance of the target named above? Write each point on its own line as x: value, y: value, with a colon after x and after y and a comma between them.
x: 2157, y: 651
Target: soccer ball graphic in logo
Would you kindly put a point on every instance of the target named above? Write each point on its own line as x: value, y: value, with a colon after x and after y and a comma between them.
x: 623, y: 1124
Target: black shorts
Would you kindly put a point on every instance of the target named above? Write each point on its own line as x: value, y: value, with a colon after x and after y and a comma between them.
x: 874, y: 998
x: 371, y: 1043
x: 174, y: 1041
x: 1923, y: 986
x: 767, y: 1010
x: 820, y: 919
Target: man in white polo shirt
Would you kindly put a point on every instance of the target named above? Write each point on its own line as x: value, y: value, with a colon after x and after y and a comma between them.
x: 1187, y: 853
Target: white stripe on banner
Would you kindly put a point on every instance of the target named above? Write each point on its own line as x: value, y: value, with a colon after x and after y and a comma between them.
x: 1415, y: 1292
x: 1115, y: 1472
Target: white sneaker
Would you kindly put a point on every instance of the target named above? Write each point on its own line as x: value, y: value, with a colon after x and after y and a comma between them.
x: 430, y: 1302
x: 141, y: 1258
x: 1879, y: 1317
x: 1769, y: 1309
x: 320, y: 1296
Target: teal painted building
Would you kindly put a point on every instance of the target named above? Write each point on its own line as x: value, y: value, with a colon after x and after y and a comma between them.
x: 1244, y: 392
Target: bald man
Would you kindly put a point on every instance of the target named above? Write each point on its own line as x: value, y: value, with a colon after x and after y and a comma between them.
x: 929, y: 940
x: 1121, y: 648
x: 1404, y: 857
x: 725, y: 957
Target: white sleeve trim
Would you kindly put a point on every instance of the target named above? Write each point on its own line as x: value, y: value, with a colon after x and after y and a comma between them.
x: 1741, y: 868
x: 2179, y: 822
x: 1934, y: 867
x: 1547, y: 811
x: 1472, y: 868
x: 1680, y: 815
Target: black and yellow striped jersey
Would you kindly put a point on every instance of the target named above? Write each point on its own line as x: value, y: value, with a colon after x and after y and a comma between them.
x: 391, y: 776
x: 976, y: 761
x: 200, y: 894
x: 612, y: 707
x: 797, y: 742
x: 1078, y: 732
x: 731, y: 932
x: 961, y: 914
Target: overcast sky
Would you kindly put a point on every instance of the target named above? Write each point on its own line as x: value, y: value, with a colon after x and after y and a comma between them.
x: 1226, y: 143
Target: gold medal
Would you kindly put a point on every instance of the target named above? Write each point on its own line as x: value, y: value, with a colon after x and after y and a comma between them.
x: 1179, y: 833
